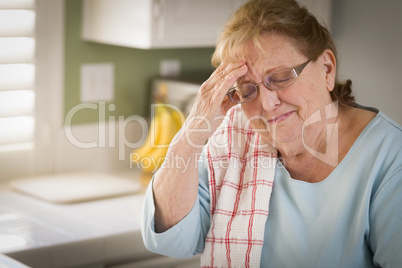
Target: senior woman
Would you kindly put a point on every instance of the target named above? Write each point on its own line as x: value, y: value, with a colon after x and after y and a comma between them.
x: 296, y: 174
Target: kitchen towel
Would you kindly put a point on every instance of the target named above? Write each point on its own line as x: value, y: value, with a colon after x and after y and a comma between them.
x: 241, y: 173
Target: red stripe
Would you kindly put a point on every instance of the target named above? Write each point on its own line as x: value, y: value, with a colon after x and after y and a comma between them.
x: 235, y: 241
x: 251, y: 220
x: 245, y: 185
x: 212, y: 181
x: 213, y: 200
x: 245, y: 158
x: 241, y: 212
x: 229, y: 227
x: 223, y: 131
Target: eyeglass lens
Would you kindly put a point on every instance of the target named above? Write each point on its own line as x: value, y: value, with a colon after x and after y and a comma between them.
x: 280, y: 79
x: 274, y: 81
x: 243, y: 93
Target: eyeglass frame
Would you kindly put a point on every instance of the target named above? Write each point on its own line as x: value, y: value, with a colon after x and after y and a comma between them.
x: 296, y: 72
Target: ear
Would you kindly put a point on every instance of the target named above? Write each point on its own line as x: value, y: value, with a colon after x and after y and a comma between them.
x: 329, y: 65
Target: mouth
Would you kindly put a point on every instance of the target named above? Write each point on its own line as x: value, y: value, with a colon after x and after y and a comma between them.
x: 280, y: 118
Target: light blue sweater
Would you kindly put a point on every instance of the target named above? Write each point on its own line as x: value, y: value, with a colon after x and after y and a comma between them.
x: 351, y: 219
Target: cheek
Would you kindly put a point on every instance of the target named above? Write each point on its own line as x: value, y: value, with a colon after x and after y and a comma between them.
x: 309, y: 98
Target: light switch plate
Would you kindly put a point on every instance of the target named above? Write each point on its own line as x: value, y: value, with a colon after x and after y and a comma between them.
x: 97, y: 82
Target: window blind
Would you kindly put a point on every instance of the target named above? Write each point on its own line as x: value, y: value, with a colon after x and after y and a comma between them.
x: 17, y: 74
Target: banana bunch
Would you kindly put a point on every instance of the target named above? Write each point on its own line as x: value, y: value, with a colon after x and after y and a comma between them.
x: 164, y: 126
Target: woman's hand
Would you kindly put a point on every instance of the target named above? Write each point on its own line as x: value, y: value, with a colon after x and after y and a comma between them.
x: 211, y: 103
x: 175, y: 186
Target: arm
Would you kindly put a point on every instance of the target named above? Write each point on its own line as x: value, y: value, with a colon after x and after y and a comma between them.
x: 186, y: 238
x: 386, y: 223
x: 175, y: 189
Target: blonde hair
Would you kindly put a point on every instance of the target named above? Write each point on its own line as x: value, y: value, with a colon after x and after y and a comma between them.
x: 284, y: 17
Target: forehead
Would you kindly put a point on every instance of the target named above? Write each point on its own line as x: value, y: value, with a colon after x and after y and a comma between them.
x: 273, y: 52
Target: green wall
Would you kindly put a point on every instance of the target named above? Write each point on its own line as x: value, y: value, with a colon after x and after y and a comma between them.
x: 134, y: 69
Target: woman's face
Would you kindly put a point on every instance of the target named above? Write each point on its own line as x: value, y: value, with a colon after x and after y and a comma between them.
x: 279, y: 116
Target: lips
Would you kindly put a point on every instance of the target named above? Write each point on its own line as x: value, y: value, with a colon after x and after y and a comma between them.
x: 280, y: 118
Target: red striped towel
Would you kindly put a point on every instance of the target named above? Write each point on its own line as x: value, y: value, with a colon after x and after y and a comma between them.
x: 241, y: 173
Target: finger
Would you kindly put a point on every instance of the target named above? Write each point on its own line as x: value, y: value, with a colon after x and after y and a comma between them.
x: 226, y: 72
x: 224, y: 69
x: 227, y: 81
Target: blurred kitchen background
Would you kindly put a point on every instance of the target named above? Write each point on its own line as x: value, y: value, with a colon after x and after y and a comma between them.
x: 87, y: 80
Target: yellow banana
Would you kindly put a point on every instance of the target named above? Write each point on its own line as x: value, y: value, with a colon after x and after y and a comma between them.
x: 178, y: 117
x: 168, y: 129
x: 147, y: 147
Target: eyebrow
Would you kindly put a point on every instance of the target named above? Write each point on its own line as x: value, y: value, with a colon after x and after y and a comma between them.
x: 252, y: 71
x: 243, y: 80
x: 277, y: 68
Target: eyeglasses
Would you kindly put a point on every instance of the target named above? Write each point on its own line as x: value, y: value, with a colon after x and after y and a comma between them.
x: 274, y: 81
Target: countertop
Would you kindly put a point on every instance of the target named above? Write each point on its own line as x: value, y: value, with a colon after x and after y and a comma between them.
x: 88, y: 234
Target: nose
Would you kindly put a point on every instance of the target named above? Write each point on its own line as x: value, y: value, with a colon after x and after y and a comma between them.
x: 268, y: 98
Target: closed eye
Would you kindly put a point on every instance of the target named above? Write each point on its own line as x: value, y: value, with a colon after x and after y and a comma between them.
x: 248, y: 94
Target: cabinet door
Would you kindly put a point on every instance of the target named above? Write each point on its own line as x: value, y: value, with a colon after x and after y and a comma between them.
x: 190, y: 23
x: 118, y: 22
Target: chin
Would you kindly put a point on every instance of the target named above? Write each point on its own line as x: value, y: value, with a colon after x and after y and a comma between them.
x: 286, y: 137
x: 286, y: 133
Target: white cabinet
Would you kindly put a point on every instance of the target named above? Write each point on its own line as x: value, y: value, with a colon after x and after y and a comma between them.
x: 156, y: 23
x: 166, y: 23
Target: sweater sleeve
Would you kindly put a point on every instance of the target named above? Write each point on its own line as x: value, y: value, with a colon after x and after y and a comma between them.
x: 386, y: 223
x: 187, y: 237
